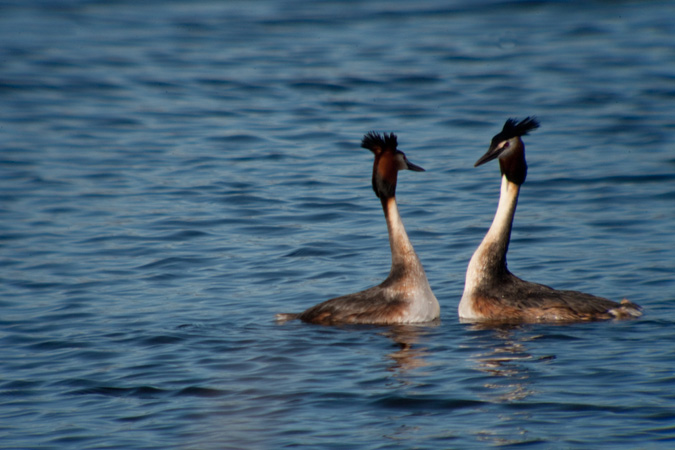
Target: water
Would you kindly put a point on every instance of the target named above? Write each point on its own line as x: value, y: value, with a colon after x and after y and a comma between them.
x: 175, y: 173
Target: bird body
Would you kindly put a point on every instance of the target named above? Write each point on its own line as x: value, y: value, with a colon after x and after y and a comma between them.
x: 491, y: 291
x: 405, y: 295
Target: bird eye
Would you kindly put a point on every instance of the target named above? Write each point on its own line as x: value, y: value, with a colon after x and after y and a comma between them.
x: 506, y: 144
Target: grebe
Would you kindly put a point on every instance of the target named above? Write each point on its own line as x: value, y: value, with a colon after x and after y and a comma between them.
x: 491, y: 292
x: 405, y: 296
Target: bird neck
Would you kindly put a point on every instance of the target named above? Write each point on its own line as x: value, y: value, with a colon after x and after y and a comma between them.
x: 491, y: 254
x: 402, y: 253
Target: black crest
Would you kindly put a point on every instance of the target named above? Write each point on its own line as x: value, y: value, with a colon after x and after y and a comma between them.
x: 377, y: 143
x: 513, y: 128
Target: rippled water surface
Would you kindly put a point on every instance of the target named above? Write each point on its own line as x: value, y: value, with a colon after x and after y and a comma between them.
x: 172, y: 174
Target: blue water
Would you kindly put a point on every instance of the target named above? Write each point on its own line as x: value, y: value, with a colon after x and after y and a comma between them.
x: 173, y: 174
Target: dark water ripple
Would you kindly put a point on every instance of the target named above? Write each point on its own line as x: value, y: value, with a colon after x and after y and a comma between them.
x: 174, y: 174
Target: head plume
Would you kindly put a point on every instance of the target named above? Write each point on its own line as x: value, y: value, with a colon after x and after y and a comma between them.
x: 509, y: 148
x: 377, y: 143
x: 513, y: 128
x: 389, y: 160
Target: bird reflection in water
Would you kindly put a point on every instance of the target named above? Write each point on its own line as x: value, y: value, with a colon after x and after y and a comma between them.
x: 506, y: 360
x: 502, y: 355
x: 409, y: 355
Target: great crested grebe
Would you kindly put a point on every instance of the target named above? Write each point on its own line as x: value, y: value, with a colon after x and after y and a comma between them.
x: 491, y: 292
x: 405, y: 296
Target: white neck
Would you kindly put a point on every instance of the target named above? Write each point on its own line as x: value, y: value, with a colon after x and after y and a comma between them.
x: 489, y: 260
x: 402, y: 252
x: 499, y: 234
x: 407, y: 276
